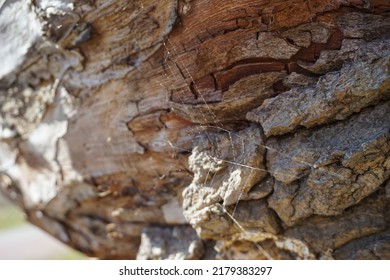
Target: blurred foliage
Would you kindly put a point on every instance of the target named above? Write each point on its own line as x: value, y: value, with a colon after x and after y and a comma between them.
x: 10, y: 215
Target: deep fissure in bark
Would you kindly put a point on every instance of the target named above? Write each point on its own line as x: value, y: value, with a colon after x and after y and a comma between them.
x: 210, y: 129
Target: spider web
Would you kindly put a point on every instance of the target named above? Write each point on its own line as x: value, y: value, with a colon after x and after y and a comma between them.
x: 177, y: 77
x: 183, y: 76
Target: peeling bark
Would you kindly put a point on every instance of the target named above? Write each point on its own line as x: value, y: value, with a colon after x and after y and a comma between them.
x: 208, y: 129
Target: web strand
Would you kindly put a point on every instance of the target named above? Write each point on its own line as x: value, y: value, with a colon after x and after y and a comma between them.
x: 217, y: 124
x: 242, y: 229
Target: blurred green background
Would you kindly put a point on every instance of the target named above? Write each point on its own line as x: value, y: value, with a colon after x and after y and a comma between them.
x: 21, y: 240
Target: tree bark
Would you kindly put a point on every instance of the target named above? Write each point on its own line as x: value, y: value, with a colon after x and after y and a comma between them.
x: 209, y: 129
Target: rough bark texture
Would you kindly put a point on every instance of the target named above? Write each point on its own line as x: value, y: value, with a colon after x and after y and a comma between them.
x: 157, y: 129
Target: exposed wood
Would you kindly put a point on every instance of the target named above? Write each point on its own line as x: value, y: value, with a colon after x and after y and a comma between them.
x: 263, y: 125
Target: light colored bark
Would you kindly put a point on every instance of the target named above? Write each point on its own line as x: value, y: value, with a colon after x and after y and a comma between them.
x: 263, y: 125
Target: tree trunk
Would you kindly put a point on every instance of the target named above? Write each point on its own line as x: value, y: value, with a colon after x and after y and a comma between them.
x: 208, y: 129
